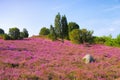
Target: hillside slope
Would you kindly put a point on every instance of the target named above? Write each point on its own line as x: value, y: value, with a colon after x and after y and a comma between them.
x: 42, y: 59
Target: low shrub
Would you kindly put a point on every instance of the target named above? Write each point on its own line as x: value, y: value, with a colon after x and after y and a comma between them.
x: 6, y: 37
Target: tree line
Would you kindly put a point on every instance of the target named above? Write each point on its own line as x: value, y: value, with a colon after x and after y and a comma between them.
x: 64, y: 30
x: 14, y: 34
x: 71, y: 31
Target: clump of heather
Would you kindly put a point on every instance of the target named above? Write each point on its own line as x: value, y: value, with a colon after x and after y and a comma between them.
x: 42, y: 59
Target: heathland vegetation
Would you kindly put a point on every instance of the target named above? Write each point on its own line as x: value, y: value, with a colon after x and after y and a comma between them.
x: 64, y: 30
x: 52, y: 56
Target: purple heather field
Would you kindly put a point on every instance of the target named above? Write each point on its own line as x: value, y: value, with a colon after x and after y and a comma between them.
x: 42, y: 59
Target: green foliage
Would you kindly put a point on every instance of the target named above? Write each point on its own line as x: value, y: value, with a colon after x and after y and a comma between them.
x: 30, y: 77
x: 118, y: 39
x: 25, y: 33
x: 2, y: 31
x: 1, y: 36
x: 22, y: 35
x: 64, y: 27
x: 99, y: 40
x: 14, y: 33
x: 61, y: 27
x: 108, y: 40
x: 75, y: 36
x: 52, y: 34
x: 72, y: 26
x: 81, y: 36
x: 58, y: 25
x: 86, y: 36
x: 71, y: 76
x: 111, y: 42
x: 44, y: 31
x: 6, y: 37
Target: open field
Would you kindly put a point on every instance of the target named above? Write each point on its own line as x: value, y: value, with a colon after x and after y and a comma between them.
x: 42, y: 59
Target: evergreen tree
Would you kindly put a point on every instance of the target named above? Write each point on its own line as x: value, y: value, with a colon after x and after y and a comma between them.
x: 64, y: 27
x: 58, y: 25
x: 26, y: 34
x: 2, y: 31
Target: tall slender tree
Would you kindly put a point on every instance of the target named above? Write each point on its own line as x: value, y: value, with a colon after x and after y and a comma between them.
x: 58, y: 25
x: 52, y: 34
x: 64, y: 27
x: 26, y: 34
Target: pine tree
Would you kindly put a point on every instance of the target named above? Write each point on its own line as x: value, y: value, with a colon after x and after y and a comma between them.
x: 64, y: 27
x: 26, y: 34
x: 58, y: 25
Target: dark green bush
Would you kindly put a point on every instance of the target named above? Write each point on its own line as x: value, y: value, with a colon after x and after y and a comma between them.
x: 21, y: 35
x: 99, y: 40
x: 6, y: 37
x: 72, y: 26
x: 14, y: 33
x: 52, y: 35
x: 81, y: 36
x: 25, y: 33
x: 2, y: 31
x: 75, y: 36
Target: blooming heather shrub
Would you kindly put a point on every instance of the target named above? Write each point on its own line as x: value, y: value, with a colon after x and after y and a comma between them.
x: 42, y: 59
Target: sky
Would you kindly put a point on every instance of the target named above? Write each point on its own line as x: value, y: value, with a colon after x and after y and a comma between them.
x: 101, y: 16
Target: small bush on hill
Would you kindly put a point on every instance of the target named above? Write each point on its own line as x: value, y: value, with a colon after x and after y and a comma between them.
x: 44, y: 31
x: 52, y: 34
x: 99, y: 40
x: 14, y: 33
x: 75, y: 36
x: 6, y: 37
x: 81, y: 36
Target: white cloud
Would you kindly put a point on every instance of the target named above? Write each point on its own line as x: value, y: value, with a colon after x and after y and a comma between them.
x: 112, y: 29
x: 104, y: 27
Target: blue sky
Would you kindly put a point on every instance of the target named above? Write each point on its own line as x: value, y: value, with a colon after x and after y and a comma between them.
x: 102, y: 16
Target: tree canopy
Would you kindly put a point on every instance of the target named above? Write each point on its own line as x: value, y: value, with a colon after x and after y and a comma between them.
x: 1, y: 31
x: 14, y: 33
x: 44, y: 31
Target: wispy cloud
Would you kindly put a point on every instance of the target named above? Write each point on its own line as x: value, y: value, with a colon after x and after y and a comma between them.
x: 113, y: 8
x: 104, y: 26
